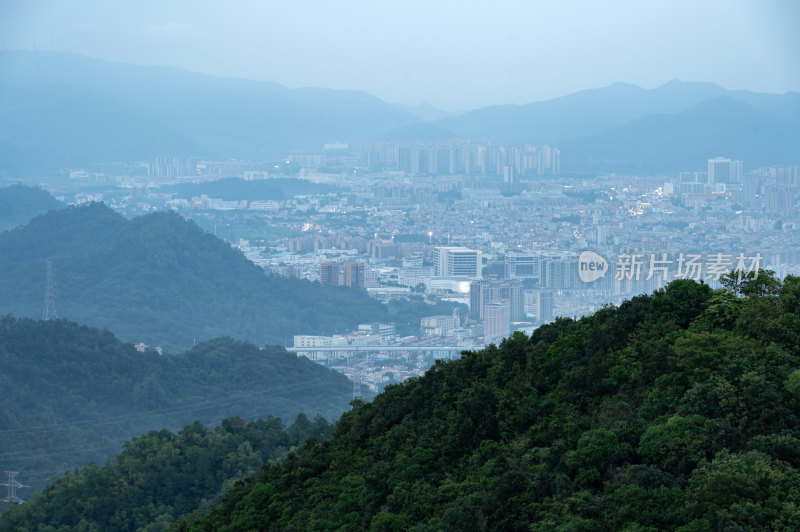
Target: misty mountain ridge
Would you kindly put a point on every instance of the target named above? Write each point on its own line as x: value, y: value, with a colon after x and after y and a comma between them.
x: 594, y: 111
x: 623, y: 127
x: 64, y: 110
x: 82, y: 110
x: 582, y: 113
x: 723, y: 125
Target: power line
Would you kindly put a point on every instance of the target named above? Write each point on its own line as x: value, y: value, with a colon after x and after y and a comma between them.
x: 12, y: 485
x: 49, y: 311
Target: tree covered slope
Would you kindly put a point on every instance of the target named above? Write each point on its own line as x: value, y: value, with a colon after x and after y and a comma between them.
x: 74, y: 394
x: 161, y: 476
x: 160, y: 279
x: 18, y: 204
x: 676, y: 411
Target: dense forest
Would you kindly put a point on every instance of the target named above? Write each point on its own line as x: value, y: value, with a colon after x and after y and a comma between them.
x: 18, y: 204
x: 73, y: 394
x: 161, y: 280
x: 674, y: 411
x: 161, y: 476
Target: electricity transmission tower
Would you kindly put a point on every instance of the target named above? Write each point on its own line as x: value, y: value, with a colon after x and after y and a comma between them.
x: 12, y: 488
x: 49, y: 311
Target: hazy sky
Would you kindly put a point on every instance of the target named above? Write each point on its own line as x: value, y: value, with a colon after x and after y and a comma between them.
x: 452, y: 54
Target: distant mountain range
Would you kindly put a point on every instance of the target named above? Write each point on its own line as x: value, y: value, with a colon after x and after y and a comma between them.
x: 59, y: 110
x: 581, y: 114
x: 622, y: 127
x: 62, y: 109
x: 724, y: 125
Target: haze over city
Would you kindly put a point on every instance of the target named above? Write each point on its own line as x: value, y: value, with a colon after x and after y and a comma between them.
x: 390, y: 266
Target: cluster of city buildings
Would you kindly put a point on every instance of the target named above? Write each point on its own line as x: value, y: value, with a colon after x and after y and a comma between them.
x: 168, y: 166
x: 451, y: 157
x: 456, y: 157
x: 515, y: 257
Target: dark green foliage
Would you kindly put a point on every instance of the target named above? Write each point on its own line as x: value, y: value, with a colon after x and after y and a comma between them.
x: 672, y: 412
x: 74, y: 394
x: 161, y: 476
x: 19, y: 203
x: 752, y: 284
x: 161, y: 280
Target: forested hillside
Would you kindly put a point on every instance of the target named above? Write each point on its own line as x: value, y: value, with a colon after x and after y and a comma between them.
x: 74, y: 394
x: 161, y: 476
x: 161, y: 280
x: 18, y: 204
x: 676, y: 411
